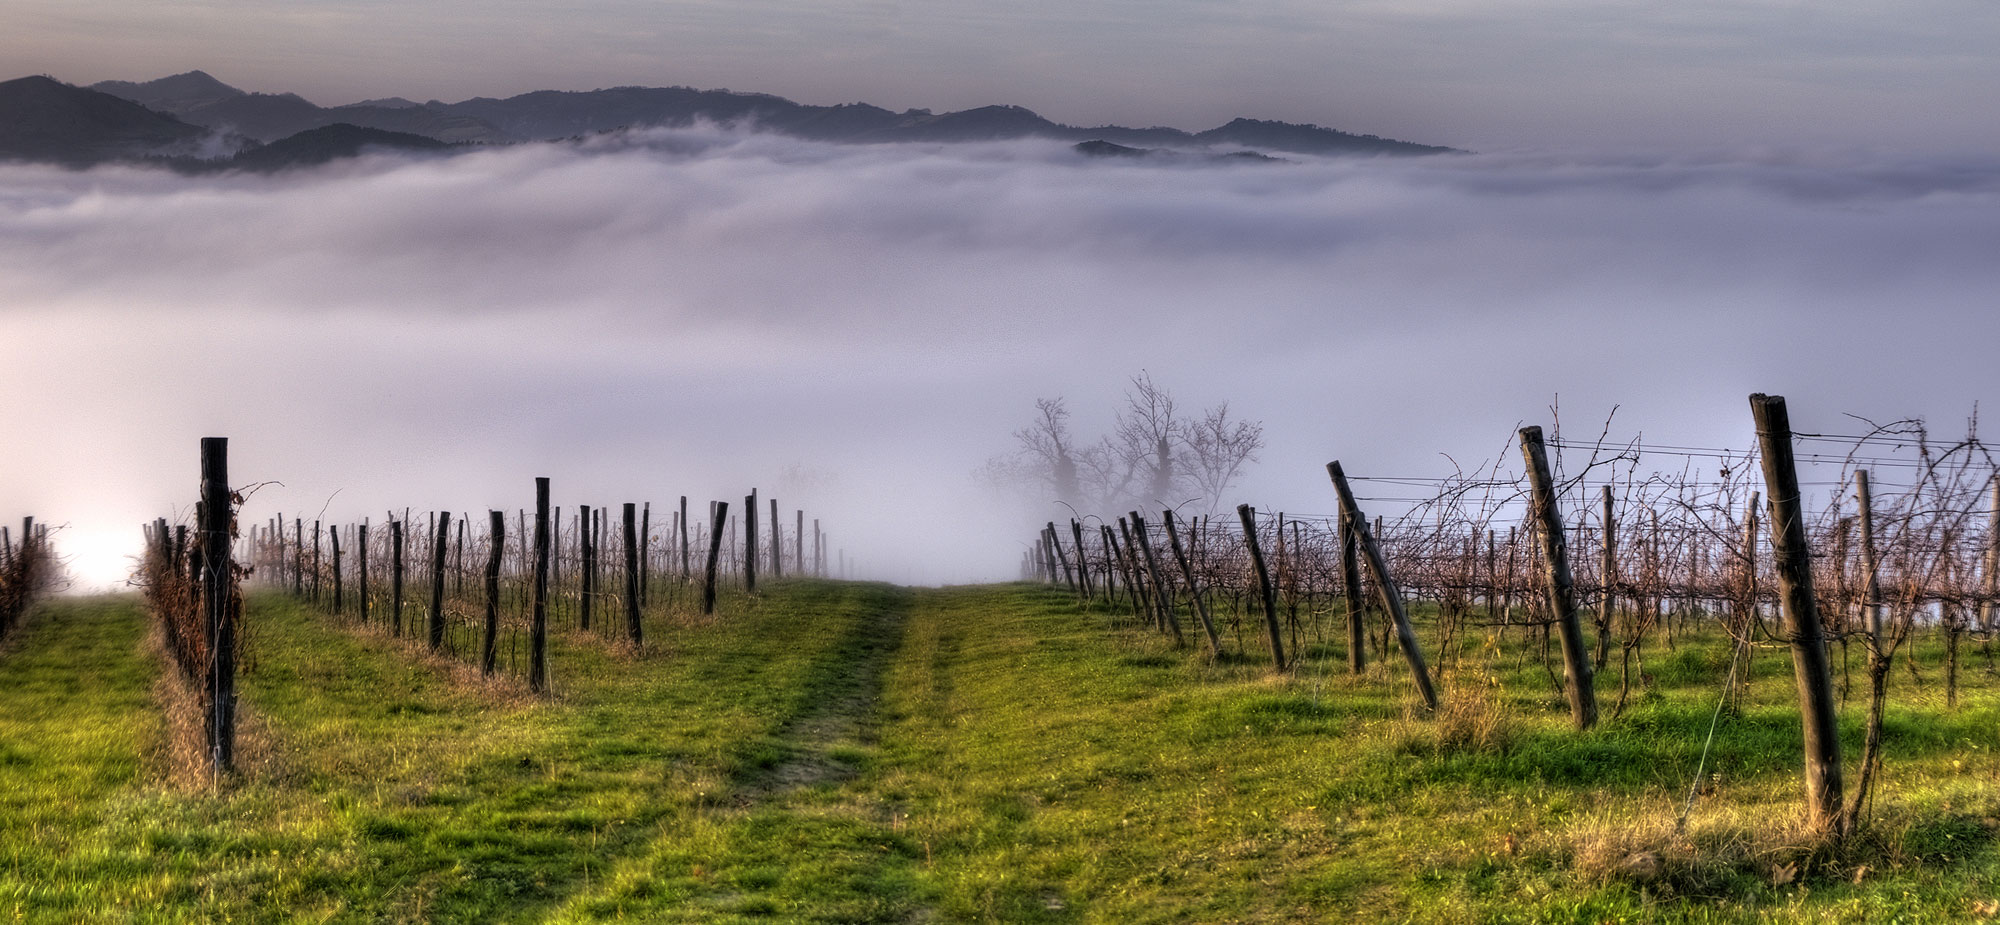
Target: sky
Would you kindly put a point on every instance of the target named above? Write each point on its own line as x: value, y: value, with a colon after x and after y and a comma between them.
x: 1671, y: 207
x: 1490, y: 75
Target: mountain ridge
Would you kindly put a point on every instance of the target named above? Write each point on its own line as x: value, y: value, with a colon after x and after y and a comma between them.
x: 542, y: 115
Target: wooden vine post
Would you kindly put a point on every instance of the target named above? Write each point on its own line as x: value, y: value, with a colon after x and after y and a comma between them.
x: 333, y: 536
x: 633, y: 631
x: 1579, y: 683
x: 396, y: 575
x: 1350, y: 590
x: 221, y: 605
x: 1385, y: 586
x: 716, y: 529
x: 1792, y: 565
x: 1194, y: 590
x: 496, y: 543
x: 749, y: 540
x: 1082, y: 564
x: 538, y: 625
x: 1163, y: 597
x: 587, y: 575
x: 437, y: 581
x: 361, y: 560
x: 1248, y: 515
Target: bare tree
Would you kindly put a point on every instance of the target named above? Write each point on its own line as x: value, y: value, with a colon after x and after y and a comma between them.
x: 1153, y: 457
x: 1217, y: 450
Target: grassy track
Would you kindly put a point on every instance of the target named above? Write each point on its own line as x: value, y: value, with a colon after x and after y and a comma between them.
x: 861, y: 753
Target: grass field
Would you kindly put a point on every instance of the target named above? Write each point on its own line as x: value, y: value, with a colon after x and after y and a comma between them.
x: 831, y: 752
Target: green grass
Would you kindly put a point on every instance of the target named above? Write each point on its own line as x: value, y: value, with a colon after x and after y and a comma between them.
x: 860, y: 753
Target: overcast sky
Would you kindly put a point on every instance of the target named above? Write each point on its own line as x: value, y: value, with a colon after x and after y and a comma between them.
x: 1486, y: 74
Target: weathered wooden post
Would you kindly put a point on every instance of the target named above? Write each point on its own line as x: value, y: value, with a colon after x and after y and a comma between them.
x: 361, y: 561
x: 1579, y: 685
x: 633, y: 631
x: 1991, y: 578
x: 799, y: 546
x: 1350, y: 591
x: 1792, y: 564
x: 587, y: 573
x: 777, y: 543
x: 685, y: 573
x: 714, y: 556
x: 437, y: 580
x: 749, y: 541
x: 1607, y: 605
x: 396, y: 575
x: 538, y: 626
x: 1142, y: 592
x: 1248, y: 515
x: 299, y: 557
x: 315, y: 563
x: 496, y: 545
x: 1385, y: 586
x: 1871, y: 591
x: 645, y: 554
x: 333, y: 536
x: 1194, y: 590
x: 1057, y: 557
x: 1164, y: 599
x: 219, y: 601
x: 1082, y: 563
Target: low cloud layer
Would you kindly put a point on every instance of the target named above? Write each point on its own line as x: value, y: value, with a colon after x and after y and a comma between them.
x: 856, y: 329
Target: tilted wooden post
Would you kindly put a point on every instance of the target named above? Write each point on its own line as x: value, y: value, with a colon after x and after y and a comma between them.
x: 1579, y: 683
x: 633, y: 631
x: 496, y: 545
x: 1082, y: 563
x: 219, y: 600
x: 1194, y: 590
x: 1056, y: 557
x: 1792, y: 564
x: 1248, y: 516
x: 714, y: 556
x: 1163, y: 597
x: 437, y: 580
x: 538, y: 628
x: 1385, y: 587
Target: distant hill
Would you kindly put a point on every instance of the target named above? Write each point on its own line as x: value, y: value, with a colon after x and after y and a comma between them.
x: 316, y: 146
x: 46, y: 120
x: 549, y: 114
x: 1101, y: 148
x: 198, y: 98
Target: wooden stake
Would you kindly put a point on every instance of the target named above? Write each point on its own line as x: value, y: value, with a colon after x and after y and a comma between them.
x: 1579, y: 683
x: 1390, y: 596
x: 1792, y: 564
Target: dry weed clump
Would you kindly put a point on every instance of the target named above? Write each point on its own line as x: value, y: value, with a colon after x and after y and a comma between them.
x: 1722, y: 850
x: 1471, y: 717
x: 178, y: 757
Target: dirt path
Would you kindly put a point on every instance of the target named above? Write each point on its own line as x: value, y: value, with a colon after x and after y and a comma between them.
x: 839, y: 704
